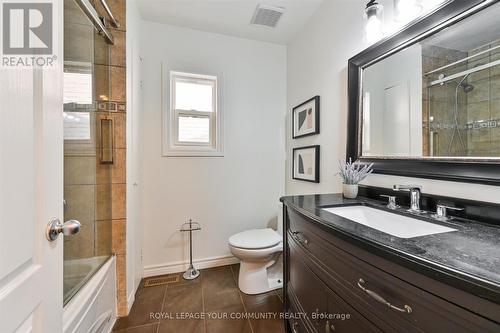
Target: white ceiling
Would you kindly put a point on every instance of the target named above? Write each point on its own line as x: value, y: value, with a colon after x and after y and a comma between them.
x: 230, y: 17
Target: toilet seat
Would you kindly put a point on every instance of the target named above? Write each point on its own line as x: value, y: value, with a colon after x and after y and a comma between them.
x: 255, y: 239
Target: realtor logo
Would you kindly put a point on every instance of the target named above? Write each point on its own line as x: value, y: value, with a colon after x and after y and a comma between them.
x: 27, y: 28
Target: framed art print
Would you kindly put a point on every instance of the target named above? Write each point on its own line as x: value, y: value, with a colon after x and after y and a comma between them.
x: 305, y: 118
x: 306, y: 164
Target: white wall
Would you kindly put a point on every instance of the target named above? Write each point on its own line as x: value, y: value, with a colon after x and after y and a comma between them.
x: 317, y: 64
x: 225, y: 194
x: 134, y: 165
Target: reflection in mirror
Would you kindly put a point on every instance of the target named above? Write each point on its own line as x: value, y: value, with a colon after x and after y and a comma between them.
x: 439, y: 97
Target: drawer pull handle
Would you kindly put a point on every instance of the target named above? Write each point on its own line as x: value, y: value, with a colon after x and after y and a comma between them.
x: 299, y: 237
x: 380, y: 299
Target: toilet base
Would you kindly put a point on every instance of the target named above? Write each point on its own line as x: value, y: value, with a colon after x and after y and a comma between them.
x: 254, y: 278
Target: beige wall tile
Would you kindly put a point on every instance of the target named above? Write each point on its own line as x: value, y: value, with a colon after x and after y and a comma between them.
x: 478, y: 111
x: 80, y: 46
x: 119, y: 236
x: 118, y: 54
x: 481, y: 91
x: 80, y: 204
x: 79, y: 170
x: 121, y: 285
x: 103, y: 202
x: 118, y: 202
x: 118, y: 170
x: 495, y: 108
x: 102, y: 82
x: 102, y: 51
x: 103, y: 237
x: 120, y: 130
x: 495, y: 87
x: 118, y: 85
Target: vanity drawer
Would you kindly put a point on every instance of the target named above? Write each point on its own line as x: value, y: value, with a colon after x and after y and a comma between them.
x: 325, y: 311
x: 305, y: 286
x: 366, y: 287
x: 295, y: 320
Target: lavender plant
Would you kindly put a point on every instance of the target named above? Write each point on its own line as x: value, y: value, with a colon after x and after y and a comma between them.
x: 353, y: 173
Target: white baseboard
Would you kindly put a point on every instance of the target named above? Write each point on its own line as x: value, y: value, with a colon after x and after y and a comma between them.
x: 181, y: 266
x: 131, y: 300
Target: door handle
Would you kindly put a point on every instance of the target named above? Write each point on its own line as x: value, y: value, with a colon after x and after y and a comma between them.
x: 56, y: 227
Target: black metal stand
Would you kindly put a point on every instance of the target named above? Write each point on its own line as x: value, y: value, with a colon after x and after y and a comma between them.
x: 191, y: 273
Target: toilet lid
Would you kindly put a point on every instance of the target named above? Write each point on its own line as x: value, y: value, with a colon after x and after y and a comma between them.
x: 255, y: 239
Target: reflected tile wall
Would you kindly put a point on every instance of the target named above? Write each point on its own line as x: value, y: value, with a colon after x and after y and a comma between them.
x: 95, y: 192
x: 110, y: 62
x: 483, y: 104
x: 439, y: 100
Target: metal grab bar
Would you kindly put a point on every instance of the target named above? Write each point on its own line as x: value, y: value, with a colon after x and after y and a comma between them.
x: 110, y: 14
x: 91, y: 13
x: 407, y: 309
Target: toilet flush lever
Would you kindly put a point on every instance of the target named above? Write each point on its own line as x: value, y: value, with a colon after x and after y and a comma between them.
x: 56, y: 227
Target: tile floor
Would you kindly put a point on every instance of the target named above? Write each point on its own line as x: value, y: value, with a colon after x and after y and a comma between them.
x: 215, y: 293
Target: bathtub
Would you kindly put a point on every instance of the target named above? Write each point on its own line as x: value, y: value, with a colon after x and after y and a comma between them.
x: 93, y: 308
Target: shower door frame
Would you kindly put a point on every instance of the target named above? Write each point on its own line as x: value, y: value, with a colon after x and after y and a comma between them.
x: 471, y: 170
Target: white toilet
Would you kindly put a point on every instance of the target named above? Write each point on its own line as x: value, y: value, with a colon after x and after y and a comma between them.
x: 259, y: 251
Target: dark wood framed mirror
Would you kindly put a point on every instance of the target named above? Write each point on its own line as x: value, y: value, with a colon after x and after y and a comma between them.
x: 425, y: 102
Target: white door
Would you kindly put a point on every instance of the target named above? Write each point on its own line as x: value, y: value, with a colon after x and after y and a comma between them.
x: 31, y: 193
x: 396, y: 120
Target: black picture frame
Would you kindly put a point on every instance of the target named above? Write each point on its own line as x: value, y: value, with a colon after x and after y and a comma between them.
x: 316, y: 100
x: 316, y: 163
x: 460, y: 170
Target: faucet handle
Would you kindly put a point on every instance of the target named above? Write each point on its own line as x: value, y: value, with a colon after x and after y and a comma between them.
x: 392, y: 201
x: 406, y: 187
x: 442, y: 212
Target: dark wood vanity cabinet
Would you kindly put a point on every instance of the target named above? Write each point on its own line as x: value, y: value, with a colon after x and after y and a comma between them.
x: 331, y: 286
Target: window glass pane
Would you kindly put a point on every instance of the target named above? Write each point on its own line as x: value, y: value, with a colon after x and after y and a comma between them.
x: 194, y: 129
x: 193, y: 96
x: 77, y: 88
x: 76, y: 125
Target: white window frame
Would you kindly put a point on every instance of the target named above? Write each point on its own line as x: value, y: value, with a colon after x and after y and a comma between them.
x: 171, y: 145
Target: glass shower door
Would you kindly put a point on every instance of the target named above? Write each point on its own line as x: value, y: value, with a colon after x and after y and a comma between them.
x: 87, y: 150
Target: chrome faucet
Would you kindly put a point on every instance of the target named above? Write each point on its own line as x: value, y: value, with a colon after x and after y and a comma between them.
x: 414, y: 196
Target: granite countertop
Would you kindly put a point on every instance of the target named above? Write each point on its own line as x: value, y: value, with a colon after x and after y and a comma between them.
x: 468, y: 259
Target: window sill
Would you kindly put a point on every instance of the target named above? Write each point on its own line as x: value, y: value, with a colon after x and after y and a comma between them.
x: 197, y: 153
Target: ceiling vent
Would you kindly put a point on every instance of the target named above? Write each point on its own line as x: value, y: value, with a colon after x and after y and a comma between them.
x: 267, y: 15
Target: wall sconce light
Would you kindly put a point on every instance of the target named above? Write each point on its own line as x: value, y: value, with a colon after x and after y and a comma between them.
x: 407, y: 10
x: 374, y: 18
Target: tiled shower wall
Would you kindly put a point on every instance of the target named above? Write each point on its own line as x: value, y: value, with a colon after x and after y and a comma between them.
x: 438, y: 100
x: 110, y: 82
x: 483, y: 104
x: 479, y: 109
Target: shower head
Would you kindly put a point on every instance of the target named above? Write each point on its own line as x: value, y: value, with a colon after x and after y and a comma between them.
x: 466, y: 87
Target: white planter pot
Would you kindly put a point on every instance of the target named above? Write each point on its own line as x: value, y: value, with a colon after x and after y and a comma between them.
x: 350, y: 191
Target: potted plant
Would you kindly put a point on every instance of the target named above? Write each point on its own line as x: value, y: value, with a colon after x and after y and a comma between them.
x: 352, y: 174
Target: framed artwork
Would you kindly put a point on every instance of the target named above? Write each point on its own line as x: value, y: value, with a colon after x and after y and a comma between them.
x: 305, y: 118
x: 306, y: 164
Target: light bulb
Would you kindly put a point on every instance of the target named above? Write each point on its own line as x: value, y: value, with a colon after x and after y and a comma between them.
x: 373, y: 29
x: 373, y: 16
x: 407, y: 10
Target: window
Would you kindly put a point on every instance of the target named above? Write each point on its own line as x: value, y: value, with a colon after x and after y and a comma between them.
x: 193, y: 117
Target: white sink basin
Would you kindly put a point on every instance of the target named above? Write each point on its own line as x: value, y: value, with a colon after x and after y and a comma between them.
x: 392, y: 224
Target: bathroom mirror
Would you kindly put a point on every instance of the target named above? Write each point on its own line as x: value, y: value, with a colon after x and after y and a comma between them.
x: 426, y: 101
